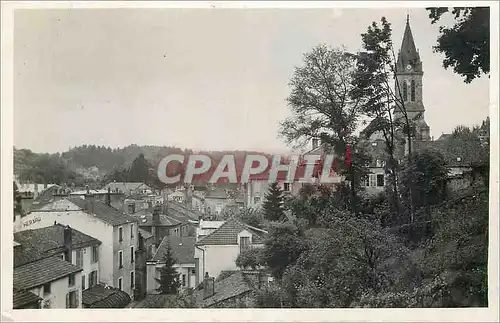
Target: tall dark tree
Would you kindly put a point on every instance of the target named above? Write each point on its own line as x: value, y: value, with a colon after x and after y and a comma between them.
x: 169, y: 278
x: 140, y: 169
x: 273, y: 203
x: 321, y: 106
x: 466, y: 45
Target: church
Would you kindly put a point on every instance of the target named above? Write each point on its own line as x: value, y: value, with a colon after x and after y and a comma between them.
x: 408, y: 88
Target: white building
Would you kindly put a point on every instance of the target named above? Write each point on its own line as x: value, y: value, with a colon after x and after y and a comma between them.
x: 55, y: 281
x: 218, y: 250
x: 118, y: 233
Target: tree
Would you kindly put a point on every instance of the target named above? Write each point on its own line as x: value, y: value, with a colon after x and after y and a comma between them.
x: 273, y: 203
x: 282, y: 247
x: 169, y: 278
x: 140, y: 170
x: 379, y: 100
x: 321, y: 105
x: 466, y: 45
x: 250, y: 258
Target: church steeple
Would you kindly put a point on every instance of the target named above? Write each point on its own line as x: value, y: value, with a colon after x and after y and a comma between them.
x: 408, y: 57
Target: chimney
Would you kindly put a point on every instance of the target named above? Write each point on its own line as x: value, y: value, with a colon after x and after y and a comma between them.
x: 315, y: 143
x: 108, y: 197
x: 156, y: 215
x: 208, y: 286
x: 68, y: 241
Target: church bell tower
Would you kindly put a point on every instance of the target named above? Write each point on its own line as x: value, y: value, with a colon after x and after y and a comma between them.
x: 408, y: 85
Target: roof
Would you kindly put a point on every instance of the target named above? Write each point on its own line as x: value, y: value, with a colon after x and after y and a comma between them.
x: 408, y: 53
x: 457, y: 153
x: 125, y: 186
x: 43, y: 271
x: 158, y: 301
x: 100, y: 296
x: 145, y: 234
x: 47, y: 242
x: 182, y: 249
x: 445, y: 136
x: 145, y: 219
x: 217, y: 193
x: 176, y: 214
x: 227, y: 234
x: 234, y: 285
x: 103, y: 211
x: 21, y: 298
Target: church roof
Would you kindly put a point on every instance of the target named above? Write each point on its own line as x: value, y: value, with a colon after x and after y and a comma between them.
x: 408, y: 54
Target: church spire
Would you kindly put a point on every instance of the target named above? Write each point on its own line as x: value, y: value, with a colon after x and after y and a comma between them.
x: 408, y: 54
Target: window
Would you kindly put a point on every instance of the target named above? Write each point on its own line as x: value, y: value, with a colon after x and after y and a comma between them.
x: 244, y: 243
x: 372, y: 181
x: 412, y: 91
x: 405, y: 91
x: 120, y: 234
x: 132, y: 231
x: 286, y: 187
x: 132, y: 280
x: 72, y: 299
x: 71, y: 280
x: 95, y: 254
x: 79, y: 258
x: 132, y: 254
x: 183, y: 280
x: 46, y: 289
x: 120, y: 259
x: 83, y: 282
x: 193, y: 272
x: 93, y: 279
x: 256, y: 200
x: 380, y: 180
x: 120, y: 283
x: 366, y: 181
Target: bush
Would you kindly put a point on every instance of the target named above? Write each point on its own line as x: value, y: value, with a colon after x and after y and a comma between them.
x: 250, y: 258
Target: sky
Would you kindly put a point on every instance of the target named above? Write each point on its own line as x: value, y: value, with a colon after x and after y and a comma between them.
x: 196, y: 78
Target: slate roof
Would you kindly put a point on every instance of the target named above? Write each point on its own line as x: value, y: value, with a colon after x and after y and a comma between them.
x: 22, y: 298
x: 99, y: 296
x: 176, y: 214
x: 227, y: 234
x: 457, y: 153
x: 145, y: 219
x: 44, y: 242
x: 42, y: 271
x: 232, y: 286
x: 103, y: 211
x: 182, y: 249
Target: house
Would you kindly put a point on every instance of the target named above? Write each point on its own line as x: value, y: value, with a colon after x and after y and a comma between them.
x: 138, y: 202
x: 207, y: 227
x: 49, y: 280
x: 104, y: 296
x: 218, y: 250
x: 129, y: 188
x: 215, y: 200
x: 182, y: 249
x: 233, y: 289
x: 170, y: 219
x: 32, y: 189
x: 118, y: 233
x: 59, y: 240
x: 114, y: 199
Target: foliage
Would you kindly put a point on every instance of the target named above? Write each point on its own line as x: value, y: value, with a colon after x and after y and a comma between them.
x: 424, y: 177
x: 466, y: 45
x: 282, y: 248
x: 250, y: 258
x: 169, y: 278
x: 273, y: 203
x: 269, y: 297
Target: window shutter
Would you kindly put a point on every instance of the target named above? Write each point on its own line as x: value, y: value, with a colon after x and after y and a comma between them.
x: 77, y: 298
x: 67, y: 300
